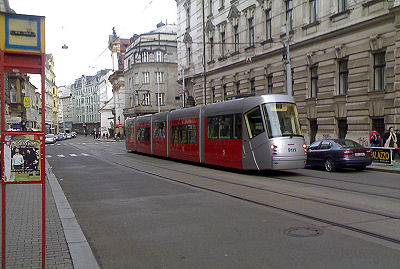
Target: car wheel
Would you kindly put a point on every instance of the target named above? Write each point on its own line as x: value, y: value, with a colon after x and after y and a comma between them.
x: 360, y: 168
x: 329, y: 165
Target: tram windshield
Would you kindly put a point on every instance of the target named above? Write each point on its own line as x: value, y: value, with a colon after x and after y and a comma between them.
x: 282, y: 119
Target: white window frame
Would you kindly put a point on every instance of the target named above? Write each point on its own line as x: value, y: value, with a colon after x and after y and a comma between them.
x: 160, y: 77
x: 145, y: 57
x: 160, y: 98
x: 159, y: 56
x: 137, y: 79
x: 146, y: 99
x: 146, y: 78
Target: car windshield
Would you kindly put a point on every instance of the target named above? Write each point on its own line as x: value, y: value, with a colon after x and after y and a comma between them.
x: 49, y: 135
x: 347, y: 143
x: 282, y: 119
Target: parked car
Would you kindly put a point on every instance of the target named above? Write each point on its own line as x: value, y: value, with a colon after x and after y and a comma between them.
x: 69, y: 135
x: 60, y: 137
x: 73, y: 134
x: 50, y: 139
x: 338, y: 153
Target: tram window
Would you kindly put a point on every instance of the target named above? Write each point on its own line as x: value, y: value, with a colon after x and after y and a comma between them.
x: 159, y: 130
x: 225, y: 126
x: 184, y: 134
x: 237, y: 130
x: 175, y: 134
x: 192, y: 133
x: 213, y: 126
x: 254, y: 122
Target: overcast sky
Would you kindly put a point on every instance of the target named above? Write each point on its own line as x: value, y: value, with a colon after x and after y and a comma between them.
x: 84, y: 26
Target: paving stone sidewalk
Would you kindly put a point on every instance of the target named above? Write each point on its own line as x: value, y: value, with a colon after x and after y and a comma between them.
x: 24, y: 229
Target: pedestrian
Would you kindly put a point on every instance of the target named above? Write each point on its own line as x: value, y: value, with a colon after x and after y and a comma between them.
x: 391, y: 139
x: 106, y: 135
x: 119, y: 136
x: 94, y: 134
x: 17, y: 161
x: 374, y: 138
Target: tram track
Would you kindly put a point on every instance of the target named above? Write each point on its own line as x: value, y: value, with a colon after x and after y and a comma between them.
x: 122, y: 162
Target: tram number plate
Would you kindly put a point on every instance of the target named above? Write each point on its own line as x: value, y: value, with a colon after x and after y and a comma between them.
x: 357, y: 154
x: 292, y: 149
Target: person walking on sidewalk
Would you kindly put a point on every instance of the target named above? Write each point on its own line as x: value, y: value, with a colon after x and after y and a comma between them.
x: 374, y: 138
x: 391, y: 139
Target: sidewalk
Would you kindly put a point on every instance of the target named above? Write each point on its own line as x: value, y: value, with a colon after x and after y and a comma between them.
x: 66, y: 246
x: 393, y: 168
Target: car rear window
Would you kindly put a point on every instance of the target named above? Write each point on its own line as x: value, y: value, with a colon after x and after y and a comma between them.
x: 346, y: 143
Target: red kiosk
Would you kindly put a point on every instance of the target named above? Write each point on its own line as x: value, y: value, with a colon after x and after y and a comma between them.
x: 22, y: 52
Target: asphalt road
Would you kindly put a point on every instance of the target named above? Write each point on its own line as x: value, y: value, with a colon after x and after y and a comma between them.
x: 143, y: 212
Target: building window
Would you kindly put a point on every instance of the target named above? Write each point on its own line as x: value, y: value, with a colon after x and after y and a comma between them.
x: 379, y: 71
x: 238, y: 87
x: 189, y: 55
x: 252, y: 86
x: 270, y: 84
x: 211, y: 48
x: 210, y: 6
x: 213, y: 94
x: 314, y: 81
x: 146, y: 99
x: 268, y: 24
x: 160, y: 98
x: 342, y: 5
x: 343, y: 77
x: 224, y: 91
x: 313, y: 11
x: 137, y: 99
x: 289, y: 14
x: 236, y: 36
x: 221, y: 3
x: 159, y: 56
x: 137, y: 78
x: 223, y: 44
x: 188, y: 16
x: 251, y: 32
x: 145, y: 57
x: 146, y: 78
x: 159, y: 77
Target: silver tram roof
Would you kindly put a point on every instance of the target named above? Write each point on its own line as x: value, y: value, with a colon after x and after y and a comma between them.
x: 226, y: 107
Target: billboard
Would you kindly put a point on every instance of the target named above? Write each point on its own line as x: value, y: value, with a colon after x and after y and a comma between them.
x: 22, y: 157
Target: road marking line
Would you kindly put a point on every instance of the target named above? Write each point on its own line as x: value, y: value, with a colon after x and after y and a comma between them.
x: 61, y: 156
x: 85, y: 154
x: 48, y: 156
x: 73, y: 155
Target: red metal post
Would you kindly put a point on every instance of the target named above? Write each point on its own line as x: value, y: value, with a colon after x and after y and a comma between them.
x: 42, y: 167
x: 3, y: 185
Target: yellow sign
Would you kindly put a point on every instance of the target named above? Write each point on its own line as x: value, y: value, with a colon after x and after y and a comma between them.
x: 21, y: 33
x: 27, y: 102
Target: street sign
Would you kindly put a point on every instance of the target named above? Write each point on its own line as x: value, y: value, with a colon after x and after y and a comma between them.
x: 27, y: 102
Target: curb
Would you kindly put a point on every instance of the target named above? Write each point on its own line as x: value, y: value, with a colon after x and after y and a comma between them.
x: 79, y: 249
x: 384, y: 169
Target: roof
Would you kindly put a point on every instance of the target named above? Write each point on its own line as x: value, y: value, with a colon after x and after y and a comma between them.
x: 165, y: 29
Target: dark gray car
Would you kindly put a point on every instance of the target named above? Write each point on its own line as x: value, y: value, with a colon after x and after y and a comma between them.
x: 337, y: 153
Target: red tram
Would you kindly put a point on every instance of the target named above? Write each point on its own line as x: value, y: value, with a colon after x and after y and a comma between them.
x: 254, y: 133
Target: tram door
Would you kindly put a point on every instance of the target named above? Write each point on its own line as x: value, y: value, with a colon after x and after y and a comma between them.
x: 254, y: 140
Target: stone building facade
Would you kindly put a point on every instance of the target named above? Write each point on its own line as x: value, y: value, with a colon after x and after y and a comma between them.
x: 151, y: 72
x: 86, y: 104
x: 344, y: 56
